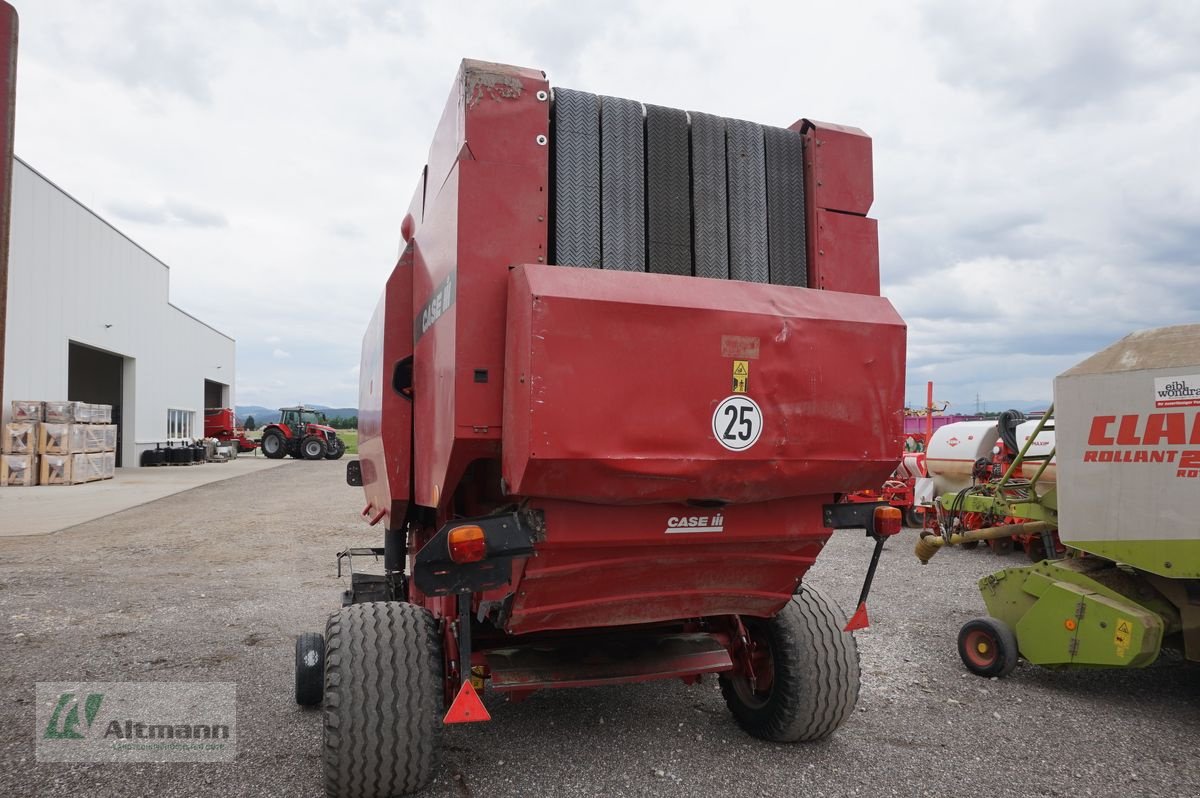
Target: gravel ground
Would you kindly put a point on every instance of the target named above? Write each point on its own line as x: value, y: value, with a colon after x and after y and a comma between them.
x: 212, y: 584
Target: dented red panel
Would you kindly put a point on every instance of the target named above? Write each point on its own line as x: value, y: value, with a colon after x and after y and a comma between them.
x: 384, y: 415
x: 623, y: 388
x: 843, y: 239
x: 611, y: 566
x: 485, y: 208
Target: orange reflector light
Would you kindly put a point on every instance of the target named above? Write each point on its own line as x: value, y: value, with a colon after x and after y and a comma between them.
x: 467, y: 544
x: 1070, y: 624
x: 888, y: 520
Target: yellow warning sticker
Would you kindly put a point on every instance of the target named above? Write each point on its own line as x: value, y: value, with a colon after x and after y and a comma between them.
x: 1123, y: 636
x: 741, y: 375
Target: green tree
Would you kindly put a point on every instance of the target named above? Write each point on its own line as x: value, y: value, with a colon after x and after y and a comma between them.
x: 250, y: 424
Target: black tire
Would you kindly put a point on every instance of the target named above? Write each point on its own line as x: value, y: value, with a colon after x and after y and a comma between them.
x: 1001, y: 547
x: 273, y: 445
x: 338, y: 449
x: 988, y: 647
x: 913, y: 519
x: 383, y: 700
x: 310, y: 669
x: 815, y: 681
x: 312, y: 448
x: 972, y: 544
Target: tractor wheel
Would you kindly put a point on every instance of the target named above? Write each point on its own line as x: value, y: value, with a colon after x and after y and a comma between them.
x: 808, y: 683
x: 337, y: 450
x: 913, y: 519
x: 312, y: 448
x: 273, y: 445
x: 988, y: 647
x: 310, y: 669
x: 383, y: 698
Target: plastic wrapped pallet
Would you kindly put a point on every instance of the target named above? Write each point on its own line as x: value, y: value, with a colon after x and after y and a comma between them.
x: 89, y: 467
x: 101, y: 414
x: 108, y: 465
x: 62, y: 438
x: 110, y: 437
x: 94, y: 436
x: 18, y: 470
x: 20, y: 437
x: 27, y: 411
x: 65, y: 412
x: 56, y: 469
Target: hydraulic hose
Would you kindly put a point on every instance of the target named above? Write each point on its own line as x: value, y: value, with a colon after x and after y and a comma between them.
x: 930, y: 544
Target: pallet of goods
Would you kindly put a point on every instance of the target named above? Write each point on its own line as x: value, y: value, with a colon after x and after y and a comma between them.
x: 58, y: 443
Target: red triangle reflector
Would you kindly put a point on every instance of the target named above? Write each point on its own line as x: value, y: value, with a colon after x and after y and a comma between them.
x: 859, y: 619
x: 467, y: 708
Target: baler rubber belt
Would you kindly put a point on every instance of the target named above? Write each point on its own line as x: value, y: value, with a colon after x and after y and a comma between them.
x: 668, y: 200
x: 785, y: 207
x: 622, y: 185
x: 576, y: 153
x: 746, y: 164
x: 710, y: 210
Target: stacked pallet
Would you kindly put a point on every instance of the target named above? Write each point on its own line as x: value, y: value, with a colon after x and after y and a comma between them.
x: 58, y: 443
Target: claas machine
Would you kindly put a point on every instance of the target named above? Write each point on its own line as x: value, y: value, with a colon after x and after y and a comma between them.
x: 628, y: 359
x: 1126, y: 500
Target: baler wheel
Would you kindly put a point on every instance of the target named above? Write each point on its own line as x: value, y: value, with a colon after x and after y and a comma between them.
x: 383, y: 699
x: 310, y: 669
x: 338, y: 449
x: 312, y: 448
x: 814, y: 674
x: 913, y: 519
x: 971, y: 544
x: 273, y: 445
x: 988, y: 647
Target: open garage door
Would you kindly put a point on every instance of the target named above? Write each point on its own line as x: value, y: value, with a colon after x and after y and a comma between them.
x: 96, y: 376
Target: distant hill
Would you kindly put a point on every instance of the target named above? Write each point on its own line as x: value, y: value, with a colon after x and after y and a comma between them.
x: 265, y: 415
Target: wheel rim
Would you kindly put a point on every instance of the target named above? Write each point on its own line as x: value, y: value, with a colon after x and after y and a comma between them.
x: 271, y: 444
x: 980, y: 648
x: 313, y: 449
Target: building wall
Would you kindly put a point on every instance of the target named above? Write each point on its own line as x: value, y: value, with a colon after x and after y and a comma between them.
x: 74, y: 277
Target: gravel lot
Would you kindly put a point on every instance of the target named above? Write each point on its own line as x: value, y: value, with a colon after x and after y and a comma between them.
x: 212, y: 584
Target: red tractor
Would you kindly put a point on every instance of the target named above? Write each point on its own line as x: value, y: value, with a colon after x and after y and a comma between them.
x: 223, y: 424
x: 301, y: 432
x: 607, y: 408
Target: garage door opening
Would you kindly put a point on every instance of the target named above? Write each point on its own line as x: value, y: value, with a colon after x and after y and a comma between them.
x: 216, y: 394
x: 96, y: 376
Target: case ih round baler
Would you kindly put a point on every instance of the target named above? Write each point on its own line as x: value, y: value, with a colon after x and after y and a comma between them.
x: 627, y: 360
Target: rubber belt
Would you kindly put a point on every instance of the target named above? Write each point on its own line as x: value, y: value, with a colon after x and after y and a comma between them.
x: 622, y: 185
x: 785, y: 207
x: 668, y: 196
x: 710, y: 220
x: 746, y: 164
x: 576, y: 144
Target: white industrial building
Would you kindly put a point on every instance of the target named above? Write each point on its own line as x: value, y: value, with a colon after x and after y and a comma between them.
x: 89, y: 319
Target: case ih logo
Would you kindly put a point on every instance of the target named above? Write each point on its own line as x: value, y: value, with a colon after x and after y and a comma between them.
x: 1182, y: 391
x: 684, y: 524
x: 952, y: 442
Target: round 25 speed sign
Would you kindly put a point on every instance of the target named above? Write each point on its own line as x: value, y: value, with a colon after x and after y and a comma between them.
x: 737, y: 422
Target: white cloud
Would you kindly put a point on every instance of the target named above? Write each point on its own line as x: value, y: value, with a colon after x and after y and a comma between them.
x: 1035, y: 183
x: 279, y: 354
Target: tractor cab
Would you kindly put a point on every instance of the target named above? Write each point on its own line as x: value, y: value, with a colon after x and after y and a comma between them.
x: 301, y: 420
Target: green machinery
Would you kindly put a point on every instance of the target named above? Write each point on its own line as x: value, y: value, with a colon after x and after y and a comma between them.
x: 1126, y: 503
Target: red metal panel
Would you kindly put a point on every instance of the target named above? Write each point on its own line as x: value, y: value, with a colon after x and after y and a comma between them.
x: 484, y: 211
x: 847, y: 253
x: 610, y: 566
x: 640, y: 362
x: 839, y: 163
x: 384, y: 415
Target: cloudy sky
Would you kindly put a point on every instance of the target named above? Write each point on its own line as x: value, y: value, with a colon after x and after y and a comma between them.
x: 1036, y: 163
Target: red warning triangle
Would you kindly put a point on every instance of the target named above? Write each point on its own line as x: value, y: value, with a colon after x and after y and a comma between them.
x: 467, y: 708
x: 859, y: 620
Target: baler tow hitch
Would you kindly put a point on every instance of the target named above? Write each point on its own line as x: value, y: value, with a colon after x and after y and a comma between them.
x: 881, y: 520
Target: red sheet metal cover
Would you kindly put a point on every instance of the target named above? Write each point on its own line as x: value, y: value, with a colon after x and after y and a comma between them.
x: 630, y: 387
